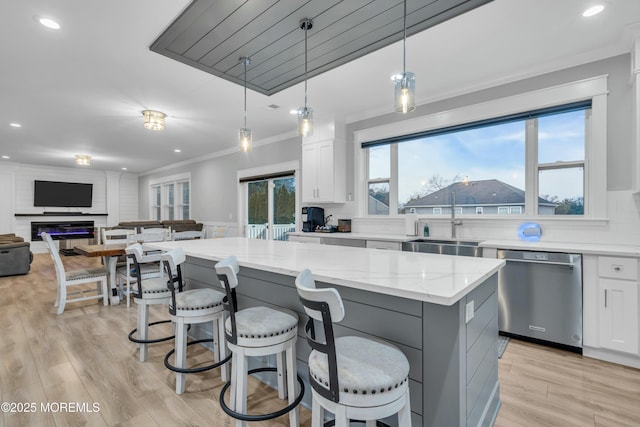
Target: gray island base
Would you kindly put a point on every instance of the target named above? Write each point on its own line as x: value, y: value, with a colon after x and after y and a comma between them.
x: 454, y: 365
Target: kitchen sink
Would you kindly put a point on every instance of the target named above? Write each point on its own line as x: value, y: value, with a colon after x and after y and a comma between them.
x: 443, y: 247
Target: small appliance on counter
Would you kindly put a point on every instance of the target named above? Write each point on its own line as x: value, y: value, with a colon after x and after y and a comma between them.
x: 344, y: 226
x: 312, y: 218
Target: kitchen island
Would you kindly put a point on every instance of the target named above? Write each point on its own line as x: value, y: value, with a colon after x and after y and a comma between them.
x: 440, y: 310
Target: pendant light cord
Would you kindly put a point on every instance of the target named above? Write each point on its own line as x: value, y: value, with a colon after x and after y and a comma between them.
x: 404, y: 42
x: 306, y: 28
x: 245, y: 60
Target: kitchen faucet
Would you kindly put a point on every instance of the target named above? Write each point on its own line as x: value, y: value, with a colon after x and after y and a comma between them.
x: 454, y: 221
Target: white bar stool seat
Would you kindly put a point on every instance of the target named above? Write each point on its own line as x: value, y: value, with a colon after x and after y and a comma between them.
x: 192, y: 307
x: 256, y: 332
x: 354, y: 378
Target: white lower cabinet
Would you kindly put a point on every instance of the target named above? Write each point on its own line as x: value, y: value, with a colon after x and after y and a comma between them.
x: 618, y: 314
x: 611, y: 304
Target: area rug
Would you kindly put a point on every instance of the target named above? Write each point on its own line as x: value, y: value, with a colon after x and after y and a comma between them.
x: 502, y: 345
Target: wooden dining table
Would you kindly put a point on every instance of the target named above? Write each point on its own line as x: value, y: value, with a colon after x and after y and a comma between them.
x: 110, y: 255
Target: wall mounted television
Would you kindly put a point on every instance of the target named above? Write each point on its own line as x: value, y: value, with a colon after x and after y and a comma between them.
x: 62, y: 194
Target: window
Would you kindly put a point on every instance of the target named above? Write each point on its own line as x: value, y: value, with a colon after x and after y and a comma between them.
x: 171, y: 198
x: 549, y: 145
x: 479, y: 210
x: 378, y: 182
x: 437, y: 211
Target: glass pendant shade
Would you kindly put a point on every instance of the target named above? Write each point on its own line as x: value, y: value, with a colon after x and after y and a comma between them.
x: 305, y: 121
x: 404, y: 92
x: 153, y: 120
x: 245, y: 139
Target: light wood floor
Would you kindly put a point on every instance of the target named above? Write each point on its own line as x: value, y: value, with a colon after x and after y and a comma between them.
x: 83, y: 356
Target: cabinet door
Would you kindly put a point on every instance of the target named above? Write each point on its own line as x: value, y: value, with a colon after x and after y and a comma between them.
x: 309, y: 173
x: 324, y: 180
x: 619, y: 315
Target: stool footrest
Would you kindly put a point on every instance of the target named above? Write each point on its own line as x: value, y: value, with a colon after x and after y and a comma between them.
x: 333, y: 422
x: 193, y: 370
x: 262, y: 417
x: 153, y: 341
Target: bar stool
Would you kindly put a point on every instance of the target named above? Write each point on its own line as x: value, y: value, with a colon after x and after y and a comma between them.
x: 191, y: 307
x: 146, y: 292
x: 258, y: 331
x: 352, y: 377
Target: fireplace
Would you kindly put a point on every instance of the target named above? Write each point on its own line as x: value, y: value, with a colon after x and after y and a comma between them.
x: 62, y: 230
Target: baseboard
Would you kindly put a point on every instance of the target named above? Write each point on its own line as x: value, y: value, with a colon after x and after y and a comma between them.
x: 612, y: 356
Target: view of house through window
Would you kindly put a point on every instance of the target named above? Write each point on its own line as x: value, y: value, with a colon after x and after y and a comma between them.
x: 482, y: 169
x: 271, y: 208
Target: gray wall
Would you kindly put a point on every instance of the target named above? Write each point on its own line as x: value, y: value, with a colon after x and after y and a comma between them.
x: 620, y: 153
x: 214, y: 181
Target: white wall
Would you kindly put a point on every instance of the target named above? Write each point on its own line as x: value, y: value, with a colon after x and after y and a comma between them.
x: 16, y: 186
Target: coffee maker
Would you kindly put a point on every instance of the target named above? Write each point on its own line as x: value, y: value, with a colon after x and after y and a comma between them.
x: 312, y: 217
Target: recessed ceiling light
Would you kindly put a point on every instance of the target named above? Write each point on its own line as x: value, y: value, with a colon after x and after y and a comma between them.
x: 6, y: 157
x: 15, y: 125
x: 177, y: 150
x: 293, y: 111
x: 124, y: 169
x: 49, y: 23
x: 593, y: 10
x: 272, y: 107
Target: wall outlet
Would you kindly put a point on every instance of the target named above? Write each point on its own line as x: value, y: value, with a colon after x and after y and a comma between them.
x: 469, y: 312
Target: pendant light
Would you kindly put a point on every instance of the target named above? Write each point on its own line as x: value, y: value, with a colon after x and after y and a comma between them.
x: 405, y: 83
x: 305, y: 114
x: 244, y: 133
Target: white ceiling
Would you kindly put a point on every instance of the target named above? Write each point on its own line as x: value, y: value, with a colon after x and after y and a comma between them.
x: 80, y: 90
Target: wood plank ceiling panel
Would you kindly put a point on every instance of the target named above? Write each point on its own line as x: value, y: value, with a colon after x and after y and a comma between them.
x: 211, y: 35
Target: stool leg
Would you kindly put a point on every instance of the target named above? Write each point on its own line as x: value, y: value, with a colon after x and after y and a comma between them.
x: 63, y: 298
x: 341, y: 417
x: 292, y: 382
x: 241, y: 387
x: 143, y: 326
x: 282, y: 393
x: 404, y: 416
x: 234, y: 381
x: 180, y: 353
x: 317, y: 413
x: 372, y: 423
x: 222, y: 349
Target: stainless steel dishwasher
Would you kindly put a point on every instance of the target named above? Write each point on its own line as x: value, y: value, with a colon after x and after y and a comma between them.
x: 540, y: 297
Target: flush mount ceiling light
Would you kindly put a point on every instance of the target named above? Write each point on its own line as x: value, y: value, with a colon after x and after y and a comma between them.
x: 83, y: 159
x: 48, y: 22
x: 305, y: 114
x: 244, y: 134
x: 404, y: 84
x: 593, y: 10
x: 153, y: 120
x: 15, y: 125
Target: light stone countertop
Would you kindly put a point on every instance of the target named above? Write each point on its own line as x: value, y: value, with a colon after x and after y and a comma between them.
x: 607, y: 249
x: 439, y: 279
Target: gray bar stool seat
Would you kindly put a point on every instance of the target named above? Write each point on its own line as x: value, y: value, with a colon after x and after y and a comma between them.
x: 190, y: 307
x: 258, y: 332
x: 354, y: 378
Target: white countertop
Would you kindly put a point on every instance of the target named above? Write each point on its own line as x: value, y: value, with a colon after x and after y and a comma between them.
x: 439, y: 279
x: 581, y: 248
x: 357, y: 236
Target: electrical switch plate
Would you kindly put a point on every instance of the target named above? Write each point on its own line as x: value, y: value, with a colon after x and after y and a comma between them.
x: 469, y: 312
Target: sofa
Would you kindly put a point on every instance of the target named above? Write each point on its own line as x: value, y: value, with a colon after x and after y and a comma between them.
x: 15, y: 255
x: 175, y: 224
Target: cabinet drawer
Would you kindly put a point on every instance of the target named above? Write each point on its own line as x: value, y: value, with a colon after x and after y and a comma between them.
x: 384, y: 244
x: 618, y: 268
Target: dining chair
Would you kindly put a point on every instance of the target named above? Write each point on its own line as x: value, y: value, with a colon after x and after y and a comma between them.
x: 188, y: 235
x: 69, y: 278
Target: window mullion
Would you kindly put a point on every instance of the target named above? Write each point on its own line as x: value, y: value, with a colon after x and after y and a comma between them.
x: 393, y: 180
x: 531, y: 168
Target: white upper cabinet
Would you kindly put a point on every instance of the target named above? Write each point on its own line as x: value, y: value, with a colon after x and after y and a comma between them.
x: 323, y: 172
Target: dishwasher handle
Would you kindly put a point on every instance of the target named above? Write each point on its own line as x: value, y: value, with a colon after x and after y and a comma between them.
x: 531, y: 261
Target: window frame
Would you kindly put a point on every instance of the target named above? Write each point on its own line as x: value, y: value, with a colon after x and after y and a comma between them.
x: 166, y: 208
x: 595, y: 162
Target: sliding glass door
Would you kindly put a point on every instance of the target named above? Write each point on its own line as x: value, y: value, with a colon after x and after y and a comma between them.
x: 271, y: 208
